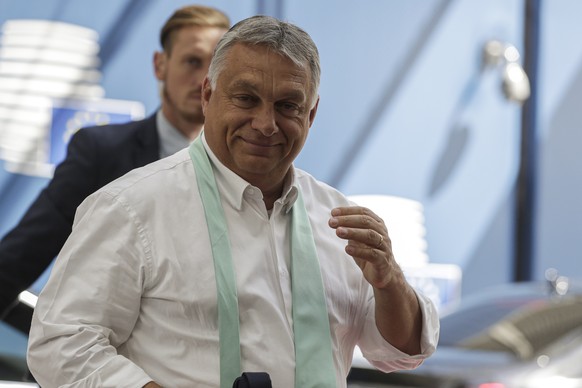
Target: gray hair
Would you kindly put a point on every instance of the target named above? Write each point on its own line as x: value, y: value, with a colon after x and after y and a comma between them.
x: 281, y: 37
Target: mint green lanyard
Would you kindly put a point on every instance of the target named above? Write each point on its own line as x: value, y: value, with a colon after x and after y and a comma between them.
x: 314, y: 365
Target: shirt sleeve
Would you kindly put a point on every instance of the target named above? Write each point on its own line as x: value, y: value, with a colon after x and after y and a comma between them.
x: 382, y: 355
x: 91, y: 302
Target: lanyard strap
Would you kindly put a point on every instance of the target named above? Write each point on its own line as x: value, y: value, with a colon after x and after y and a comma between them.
x: 314, y: 365
x: 228, y: 324
x: 313, y: 350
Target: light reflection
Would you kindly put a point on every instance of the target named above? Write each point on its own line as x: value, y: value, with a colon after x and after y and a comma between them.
x: 543, y: 361
x: 554, y: 381
x: 511, y: 54
x: 515, y: 72
x: 562, y: 285
x: 28, y: 298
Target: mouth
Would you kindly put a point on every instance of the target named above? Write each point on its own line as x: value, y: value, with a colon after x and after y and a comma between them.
x: 259, y: 147
x: 258, y: 143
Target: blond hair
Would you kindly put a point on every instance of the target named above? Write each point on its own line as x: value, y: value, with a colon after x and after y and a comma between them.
x: 192, y: 15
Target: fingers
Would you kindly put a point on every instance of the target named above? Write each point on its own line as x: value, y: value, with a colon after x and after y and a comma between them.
x: 360, y: 226
x: 342, y: 212
x: 379, y: 245
x: 367, y: 242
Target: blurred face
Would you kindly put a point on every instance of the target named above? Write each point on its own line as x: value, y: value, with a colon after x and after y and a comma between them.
x: 182, y: 71
x: 258, y: 118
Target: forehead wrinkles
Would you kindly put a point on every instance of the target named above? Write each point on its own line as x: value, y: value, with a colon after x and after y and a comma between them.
x: 276, y: 84
x: 293, y: 77
x: 258, y: 68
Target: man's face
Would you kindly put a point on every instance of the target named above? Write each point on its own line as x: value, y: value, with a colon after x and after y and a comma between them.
x: 182, y: 72
x: 258, y: 117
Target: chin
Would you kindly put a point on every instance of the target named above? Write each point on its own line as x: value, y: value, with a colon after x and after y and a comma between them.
x: 193, y: 117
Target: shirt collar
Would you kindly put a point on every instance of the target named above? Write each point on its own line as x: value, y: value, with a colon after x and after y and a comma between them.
x: 234, y: 186
x: 290, y: 190
x: 171, y: 139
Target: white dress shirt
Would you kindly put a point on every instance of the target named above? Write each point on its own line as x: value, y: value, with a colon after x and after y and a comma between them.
x: 132, y: 296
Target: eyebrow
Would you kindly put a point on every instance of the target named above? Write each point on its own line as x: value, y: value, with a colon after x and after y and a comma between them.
x: 293, y: 94
x: 243, y: 84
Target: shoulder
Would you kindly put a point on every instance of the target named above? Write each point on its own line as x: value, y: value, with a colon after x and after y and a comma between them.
x: 318, y: 192
x: 153, y: 179
x: 116, y: 133
x: 151, y: 192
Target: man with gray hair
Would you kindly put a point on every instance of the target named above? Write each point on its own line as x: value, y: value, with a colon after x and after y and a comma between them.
x: 224, y: 258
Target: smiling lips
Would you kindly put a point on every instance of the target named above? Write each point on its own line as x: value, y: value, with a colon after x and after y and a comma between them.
x: 258, y: 146
x: 258, y: 143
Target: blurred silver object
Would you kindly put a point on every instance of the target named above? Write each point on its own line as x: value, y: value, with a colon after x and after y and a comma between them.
x: 515, y: 82
x: 558, y: 285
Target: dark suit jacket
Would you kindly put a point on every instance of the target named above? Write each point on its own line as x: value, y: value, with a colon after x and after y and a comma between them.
x: 95, y: 157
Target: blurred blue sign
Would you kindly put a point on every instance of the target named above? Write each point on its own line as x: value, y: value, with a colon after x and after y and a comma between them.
x: 71, y: 116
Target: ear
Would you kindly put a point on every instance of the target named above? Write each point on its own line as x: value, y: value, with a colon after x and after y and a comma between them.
x: 313, y: 112
x: 160, y: 60
x: 206, y: 94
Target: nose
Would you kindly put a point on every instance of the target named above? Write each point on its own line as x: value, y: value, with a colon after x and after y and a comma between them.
x: 264, y: 120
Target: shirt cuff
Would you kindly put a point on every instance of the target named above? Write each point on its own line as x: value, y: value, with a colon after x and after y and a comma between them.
x: 117, y: 372
x: 386, y: 357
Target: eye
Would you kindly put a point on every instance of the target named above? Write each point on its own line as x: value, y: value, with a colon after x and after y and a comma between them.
x: 288, y: 109
x: 193, y: 61
x: 244, y: 100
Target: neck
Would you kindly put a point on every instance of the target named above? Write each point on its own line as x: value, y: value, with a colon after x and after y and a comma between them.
x: 269, y: 200
x: 271, y: 192
x: 192, y: 131
x: 271, y: 183
x: 190, y: 128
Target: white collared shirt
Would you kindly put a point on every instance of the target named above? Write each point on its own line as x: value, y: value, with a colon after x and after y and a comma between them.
x: 132, y: 295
